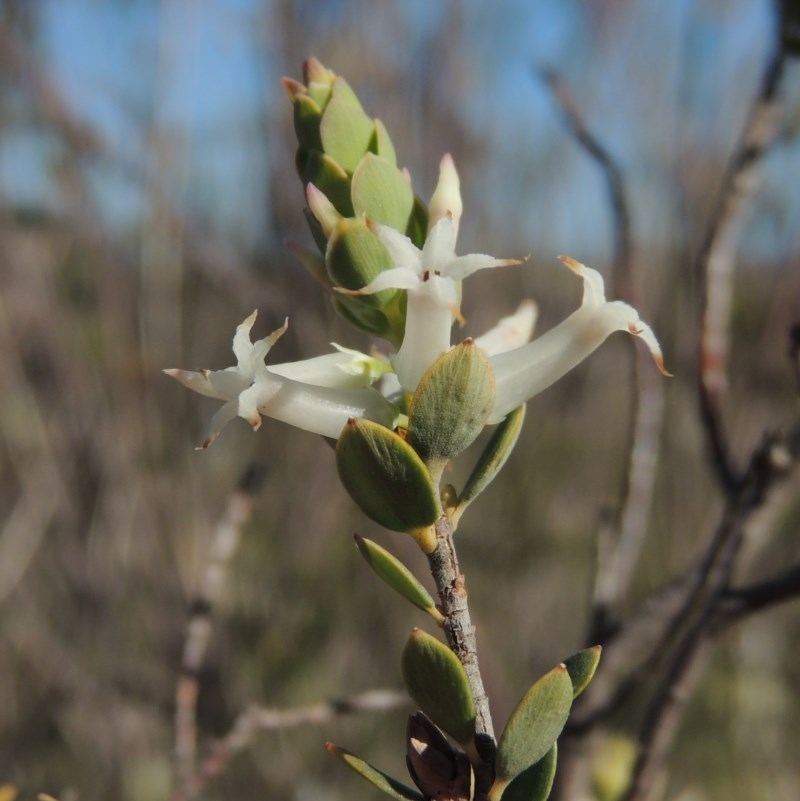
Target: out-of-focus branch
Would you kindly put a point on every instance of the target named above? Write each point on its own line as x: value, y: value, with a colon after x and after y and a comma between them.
x: 224, y: 544
x: 715, y: 259
x: 622, y: 538
x: 622, y: 275
x: 256, y: 719
x: 768, y: 464
x: 743, y: 601
x: 617, y: 562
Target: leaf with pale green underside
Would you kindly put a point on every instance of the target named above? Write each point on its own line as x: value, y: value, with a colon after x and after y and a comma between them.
x: 396, y: 575
x: 378, y: 778
x: 494, y: 456
x: 385, y: 477
x: 417, y: 229
x: 346, y: 132
x: 307, y: 115
x: 533, y: 726
x: 328, y: 176
x: 534, y: 783
x: 438, y: 683
x: 382, y: 144
x: 581, y: 668
x: 380, y: 191
x: 451, y: 403
x: 342, y: 90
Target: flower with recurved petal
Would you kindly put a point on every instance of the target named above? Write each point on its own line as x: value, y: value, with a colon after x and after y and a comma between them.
x: 525, y: 371
x: 318, y: 395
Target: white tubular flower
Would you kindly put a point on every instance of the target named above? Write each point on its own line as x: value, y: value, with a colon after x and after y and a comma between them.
x: 510, y: 332
x: 526, y: 371
x: 431, y: 277
x: 318, y: 395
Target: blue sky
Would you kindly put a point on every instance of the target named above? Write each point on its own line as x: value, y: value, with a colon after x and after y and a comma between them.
x: 200, y: 79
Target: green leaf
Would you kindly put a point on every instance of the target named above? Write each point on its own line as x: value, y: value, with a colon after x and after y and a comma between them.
x: 382, y: 144
x: 397, y: 576
x: 437, y: 681
x: 581, y: 668
x: 365, y: 318
x: 354, y: 257
x: 535, y: 782
x: 451, y: 403
x: 379, y: 779
x: 328, y: 176
x: 494, y: 456
x: 307, y: 117
x: 380, y: 191
x: 346, y: 132
x: 533, y: 726
x: 345, y: 93
x: 385, y: 477
x: 417, y: 229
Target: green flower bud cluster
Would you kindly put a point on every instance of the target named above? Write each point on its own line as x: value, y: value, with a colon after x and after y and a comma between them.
x: 348, y: 166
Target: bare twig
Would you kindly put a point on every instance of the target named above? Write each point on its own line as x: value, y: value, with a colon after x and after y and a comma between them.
x: 623, y: 261
x: 715, y: 260
x: 743, y: 601
x: 256, y: 719
x: 616, y: 565
x: 768, y: 464
x: 460, y: 633
x: 224, y: 543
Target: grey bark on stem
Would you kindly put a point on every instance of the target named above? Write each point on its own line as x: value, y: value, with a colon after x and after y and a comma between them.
x: 459, y: 631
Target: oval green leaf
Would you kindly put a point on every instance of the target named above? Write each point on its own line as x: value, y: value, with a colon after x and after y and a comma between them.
x: 392, y: 787
x: 385, y: 477
x: 581, y: 668
x: 438, y: 683
x: 534, y: 783
x: 397, y: 576
x: 534, y: 725
x: 451, y: 403
x: 346, y: 132
x: 380, y: 191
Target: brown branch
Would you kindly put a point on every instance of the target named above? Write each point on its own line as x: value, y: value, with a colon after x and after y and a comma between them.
x: 224, y: 543
x: 256, y: 719
x: 623, y: 261
x: 741, y: 602
x: 616, y: 565
x: 768, y: 464
x: 715, y: 260
x: 460, y: 634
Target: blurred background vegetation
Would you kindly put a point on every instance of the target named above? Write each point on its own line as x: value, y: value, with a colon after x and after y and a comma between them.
x: 147, y: 190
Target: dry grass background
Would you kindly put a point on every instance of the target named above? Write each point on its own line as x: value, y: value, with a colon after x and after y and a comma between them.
x: 107, y: 512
